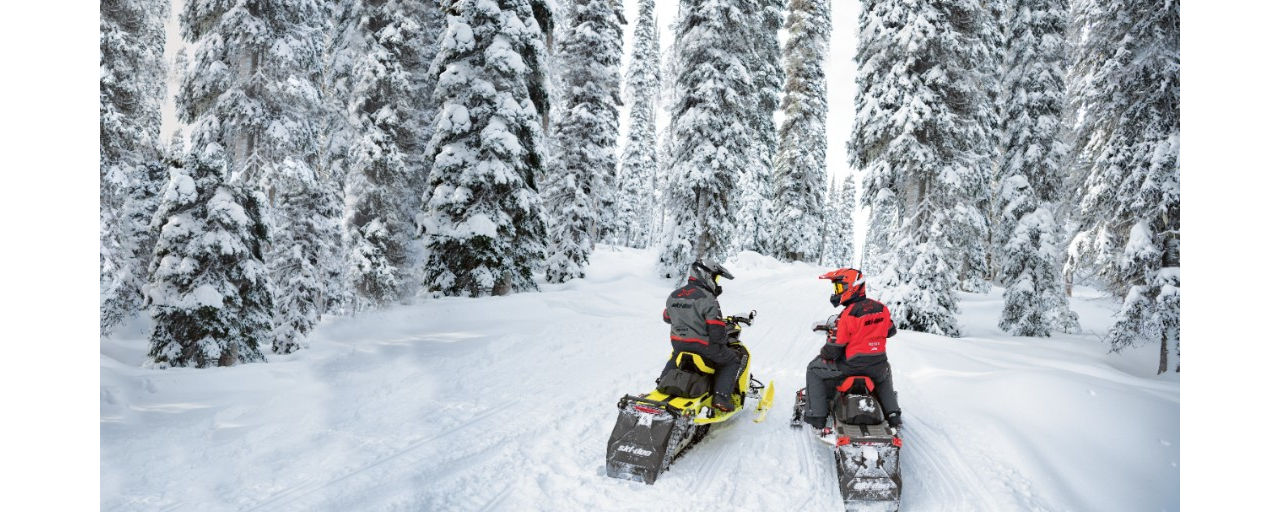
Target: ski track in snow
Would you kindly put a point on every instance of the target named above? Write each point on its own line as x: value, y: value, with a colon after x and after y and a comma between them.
x: 506, y: 403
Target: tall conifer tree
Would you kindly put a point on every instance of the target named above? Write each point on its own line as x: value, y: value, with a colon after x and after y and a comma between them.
x: 483, y: 219
x: 209, y: 291
x: 801, y: 163
x: 712, y: 123
x: 639, y: 165
x: 130, y: 92
x: 919, y: 137
x: 581, y: 191
x: 382, y: 155
x: 1026, y: 232
x: 1128, y: 145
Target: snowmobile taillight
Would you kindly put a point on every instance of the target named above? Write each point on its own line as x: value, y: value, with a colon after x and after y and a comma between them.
x: 843, y: 440
x: 897, y: 441
x: 649, y: 410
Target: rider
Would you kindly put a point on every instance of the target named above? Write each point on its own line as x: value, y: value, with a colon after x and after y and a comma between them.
x: 698, y: 327
x: 858, y: 349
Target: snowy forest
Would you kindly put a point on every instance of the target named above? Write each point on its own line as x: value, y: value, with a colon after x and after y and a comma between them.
x: 340, y: 157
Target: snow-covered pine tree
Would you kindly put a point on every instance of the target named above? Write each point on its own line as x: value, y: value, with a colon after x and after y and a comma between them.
x: 918, y: 138
x: 801, y: 162
x: 1128, y: 138
x: 580, y: 189
x: 1025, y: 233
x: 639, y: 165
x: 713, y: 134
x: 252, y: 87
x: 382, y: 156
x: 483, y: 219
x: 754, y: 201
x: 839, y: 224
x: 304, y: 219
x: 130, y: 92
x: 209, y: 291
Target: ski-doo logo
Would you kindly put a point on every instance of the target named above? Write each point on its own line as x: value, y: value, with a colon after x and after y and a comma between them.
x: 626, y: 448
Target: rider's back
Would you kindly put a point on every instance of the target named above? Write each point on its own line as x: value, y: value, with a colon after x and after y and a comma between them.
x: 863, y: 328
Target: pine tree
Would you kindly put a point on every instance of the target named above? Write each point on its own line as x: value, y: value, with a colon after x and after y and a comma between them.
x: 130, y: 92
x: 483, y: 219
x: 754, y: 200
x: 1128, y: 144
x: 580, y: 190
x: 801, y: 163
x: 383, y: 110
x: 252, y: 87
x: 1031, y: 171
x: 639, y: 166
x: 918, y: 136
x: 839, y: 224
x: 209, y: 290
x: 712, y: 127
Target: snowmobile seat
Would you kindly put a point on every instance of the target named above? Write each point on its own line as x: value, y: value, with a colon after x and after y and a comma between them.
x: 857, y: 384
x: 854, y: 404
x: 691, y: 377
x: 693, y: 362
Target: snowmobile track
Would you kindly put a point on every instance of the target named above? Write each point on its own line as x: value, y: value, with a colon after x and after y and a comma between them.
x: 308, y: 487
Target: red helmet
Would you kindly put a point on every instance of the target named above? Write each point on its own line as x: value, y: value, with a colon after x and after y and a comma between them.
x: 850, y: 285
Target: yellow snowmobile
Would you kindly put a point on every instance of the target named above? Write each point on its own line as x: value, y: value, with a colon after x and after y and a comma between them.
x: 654, y: 429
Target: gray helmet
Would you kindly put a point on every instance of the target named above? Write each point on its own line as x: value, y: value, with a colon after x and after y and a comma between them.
x: 707, y: 272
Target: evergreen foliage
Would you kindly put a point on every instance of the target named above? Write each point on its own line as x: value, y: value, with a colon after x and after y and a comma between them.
x: 838, y: 224
x: 377, y: 221
x: 919, y: 136
x: 1031, y: 170
x: 754, y: 201
x: 639, y: 166
x: 1128, y: 147
x: 580, y: 191
x: 482, y: 218
x: 130, y: 93
x: 252, y: 88
x: 209, y: 292
x: 801, y: 162
x: 713, y: 132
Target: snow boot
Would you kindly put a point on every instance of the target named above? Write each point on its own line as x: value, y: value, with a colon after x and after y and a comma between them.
x: 722, y: 403
x: 895, y: 419
x: 818, y: 423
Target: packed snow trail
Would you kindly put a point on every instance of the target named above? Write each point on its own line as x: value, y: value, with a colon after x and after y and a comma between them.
x: 505, y: 403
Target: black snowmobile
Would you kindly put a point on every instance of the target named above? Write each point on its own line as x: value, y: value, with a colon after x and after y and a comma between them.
x: 654, y: 429
x: 866, y: 447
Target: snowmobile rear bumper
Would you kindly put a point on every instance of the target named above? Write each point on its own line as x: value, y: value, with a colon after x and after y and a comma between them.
x: 867, y: 467
x: 648, y: 435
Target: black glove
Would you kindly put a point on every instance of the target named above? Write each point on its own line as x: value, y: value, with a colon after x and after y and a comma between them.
x: 832, y: 352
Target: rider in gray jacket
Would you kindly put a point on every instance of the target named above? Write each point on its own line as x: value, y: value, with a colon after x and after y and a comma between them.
x: 698, y: 327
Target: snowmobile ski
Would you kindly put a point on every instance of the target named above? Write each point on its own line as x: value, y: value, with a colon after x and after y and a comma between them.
x: 765, y: 403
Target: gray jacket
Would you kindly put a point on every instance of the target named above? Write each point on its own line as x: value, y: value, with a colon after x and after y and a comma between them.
x: 694, y: 315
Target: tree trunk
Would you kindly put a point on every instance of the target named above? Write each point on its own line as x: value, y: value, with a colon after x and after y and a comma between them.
x: 1164, y: 353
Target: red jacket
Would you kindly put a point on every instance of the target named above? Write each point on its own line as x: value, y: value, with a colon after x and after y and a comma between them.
x: 863, y: 328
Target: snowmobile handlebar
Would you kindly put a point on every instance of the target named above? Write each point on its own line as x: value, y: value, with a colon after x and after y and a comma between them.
x: 741, y: 319
x: 827, y: 326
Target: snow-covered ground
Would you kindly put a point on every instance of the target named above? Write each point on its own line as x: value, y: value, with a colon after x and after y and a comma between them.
x: 506, y: 403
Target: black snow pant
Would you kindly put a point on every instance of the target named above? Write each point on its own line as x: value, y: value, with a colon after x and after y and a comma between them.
x: 822, y: 377
x: 728, y: 360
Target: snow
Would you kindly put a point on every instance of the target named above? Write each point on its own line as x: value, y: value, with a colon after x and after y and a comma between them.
x: 506, y: 403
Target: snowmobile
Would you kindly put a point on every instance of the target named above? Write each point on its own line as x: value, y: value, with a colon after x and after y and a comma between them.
x: 654, y: 429
x: 866, y: 447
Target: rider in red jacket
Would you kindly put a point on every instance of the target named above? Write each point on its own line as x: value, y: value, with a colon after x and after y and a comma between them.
x: 862, y: 330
